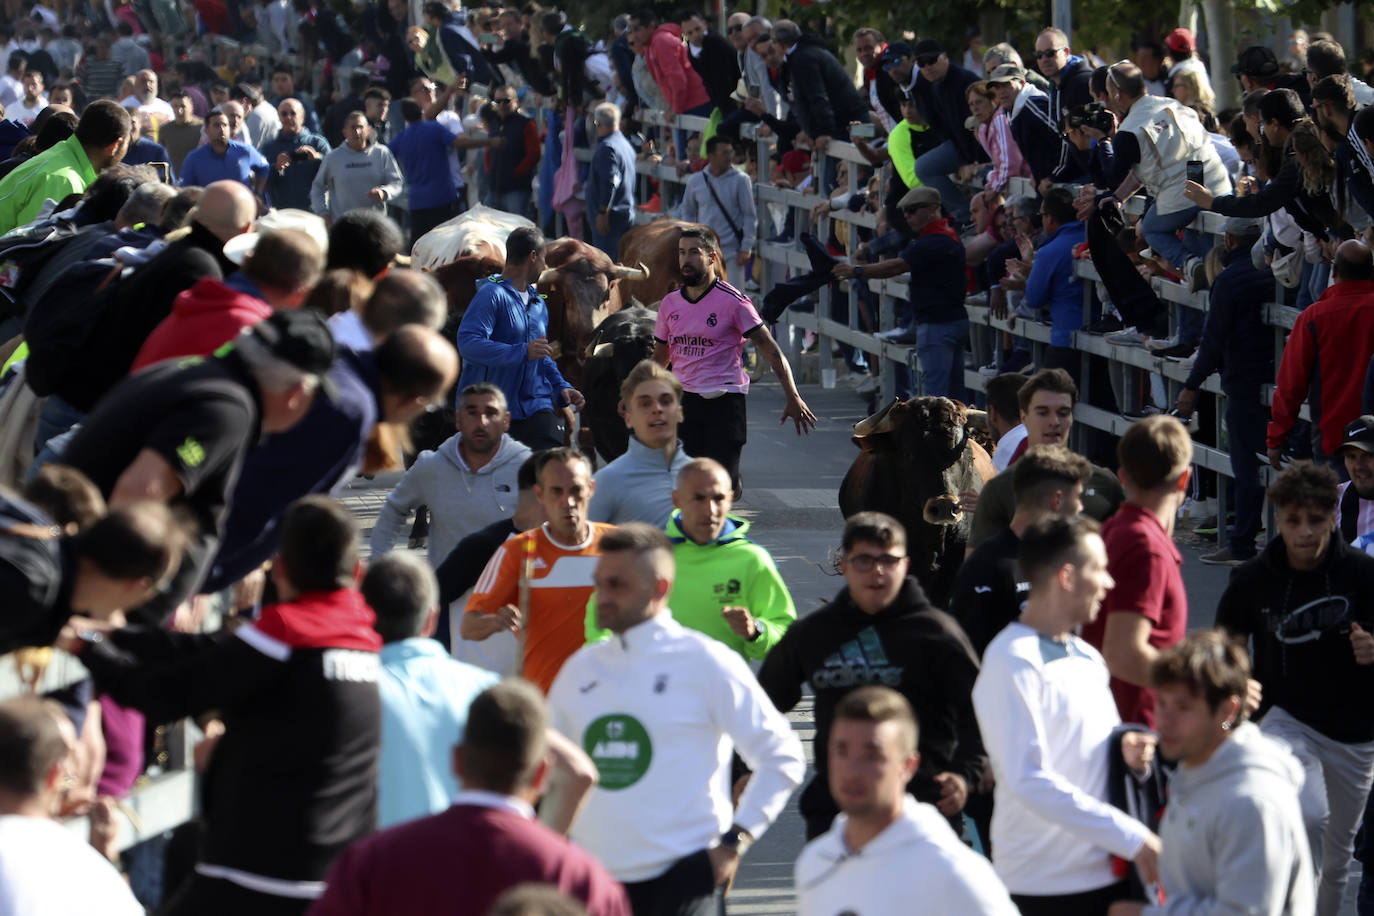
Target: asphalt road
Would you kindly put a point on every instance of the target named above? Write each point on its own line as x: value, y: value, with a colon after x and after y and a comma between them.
x: 790, y: 499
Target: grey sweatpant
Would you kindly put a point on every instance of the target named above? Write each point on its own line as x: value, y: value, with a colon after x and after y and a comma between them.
x: 1333, y: 797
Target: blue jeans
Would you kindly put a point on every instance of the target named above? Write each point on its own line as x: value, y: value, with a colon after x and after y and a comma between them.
x: 934, y: 168
x: 940, y: 350
x: 610, y: 242
x: 56, y: 417
x: 517, y: 201
x: 1161, y: 234
x: 1245, y: 422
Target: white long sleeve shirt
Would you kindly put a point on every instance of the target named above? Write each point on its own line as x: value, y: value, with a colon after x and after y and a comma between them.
x: 1047, y: 714
x: 660, y: 708
x: 917, y: 858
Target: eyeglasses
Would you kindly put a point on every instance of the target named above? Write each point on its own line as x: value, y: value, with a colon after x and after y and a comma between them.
x: 735, y: 28
x: 503, y: 101
x: 927, y: 60
x: 1047, y: 54
x: 864, y: 562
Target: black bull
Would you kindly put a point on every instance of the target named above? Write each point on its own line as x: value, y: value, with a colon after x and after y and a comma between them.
x: 618, y: 344
x: 916, y: 458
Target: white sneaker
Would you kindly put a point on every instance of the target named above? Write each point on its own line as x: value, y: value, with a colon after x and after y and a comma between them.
x: 988, y: 371
x: 1161, y: 343
x: 1130, y: 337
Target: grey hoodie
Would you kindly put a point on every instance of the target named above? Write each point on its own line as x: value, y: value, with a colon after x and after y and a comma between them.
x: 460, y: 501
x: 1233, y: 836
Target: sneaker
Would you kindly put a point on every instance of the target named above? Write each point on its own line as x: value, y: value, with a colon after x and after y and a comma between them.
x: 1196, y: 272
x: 905, y: 335
x: 752, y: 286
x: 1223, y: 557
x: 1177, y: 351
x: 868, y: 386
x: 1026, y: 312
x: 1107, y: 324
x: 1188, y: 363
x: 1019, y: 361
x: 1149, y: 410
x: 989, y: 371
x: 1156, y: 344
x: 1127, y: 338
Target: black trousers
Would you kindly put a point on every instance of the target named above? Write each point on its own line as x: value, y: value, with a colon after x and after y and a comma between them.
x: 426, y: 218
x: 540, y: 430
x: 1088, y: 903
x: 1128, y: 290
x: 687, y: 888
x: 714, y: 428
x: 202, y: 896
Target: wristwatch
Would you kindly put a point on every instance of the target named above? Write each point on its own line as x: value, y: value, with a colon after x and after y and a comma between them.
x: 736, y: 838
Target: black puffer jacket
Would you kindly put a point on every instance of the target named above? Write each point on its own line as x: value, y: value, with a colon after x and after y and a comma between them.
x: 824, y: 100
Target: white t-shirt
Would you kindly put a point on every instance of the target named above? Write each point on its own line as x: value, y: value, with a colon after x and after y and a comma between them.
x: 1007, y: 446
x: 454, y: 122
x: 158, y: 108
x: 25, y: 114
x: 47, y: 870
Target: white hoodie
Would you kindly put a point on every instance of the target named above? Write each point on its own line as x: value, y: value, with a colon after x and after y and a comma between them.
x: 917, y: 858
x: 460, y: 501
x: 660, y: 708
x: 1233, y: 835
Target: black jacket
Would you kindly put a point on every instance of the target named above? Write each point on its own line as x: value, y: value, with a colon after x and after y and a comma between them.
x: 1236, y: 340
x: 1042, y: 144
x: 37, y: 568
x: 1071, y: 89
x: 824, y: 100
x: 138, y: 304
x: 944, y: 106
x: 1300, y: 626
x: 911, y: 647
x: 294, y: 779
x: 718, y: 67
x: 1313, y: 213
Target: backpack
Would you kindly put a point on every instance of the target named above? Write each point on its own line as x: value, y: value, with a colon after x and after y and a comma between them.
x: 57, y: 328
x: 23, y: 255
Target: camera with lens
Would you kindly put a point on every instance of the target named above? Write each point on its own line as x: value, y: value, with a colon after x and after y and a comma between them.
x: 1093, y: 115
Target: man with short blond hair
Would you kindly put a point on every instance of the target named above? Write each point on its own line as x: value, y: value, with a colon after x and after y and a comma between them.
x: 1147, y: 609
x: 638, y: 486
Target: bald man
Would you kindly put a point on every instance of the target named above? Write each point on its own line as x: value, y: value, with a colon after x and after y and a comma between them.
x: 143, y: 299
x: 412, y: 368
x: 1331, y: 345
x: 294, y: 156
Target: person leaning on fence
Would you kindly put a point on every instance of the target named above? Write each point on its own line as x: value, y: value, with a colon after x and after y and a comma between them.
x: 938, y: 325
x: 1355, y: 511
x: 722, y: 197
x: 1237, y: 342
x: 1049, y: 281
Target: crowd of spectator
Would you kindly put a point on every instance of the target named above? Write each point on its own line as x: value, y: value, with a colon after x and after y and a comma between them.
x: 210, y: 328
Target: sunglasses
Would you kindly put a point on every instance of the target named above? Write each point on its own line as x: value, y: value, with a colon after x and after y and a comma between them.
x: 503, y: 101
x: 890, y: 64
x: 1046, y: 55
x: 735, y: 28
x: 927, y: 60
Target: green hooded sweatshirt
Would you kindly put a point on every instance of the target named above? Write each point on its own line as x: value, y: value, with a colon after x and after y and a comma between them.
x: 731, y: 571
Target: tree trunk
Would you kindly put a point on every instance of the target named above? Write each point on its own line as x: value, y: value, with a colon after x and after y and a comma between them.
x: 1221, y: 34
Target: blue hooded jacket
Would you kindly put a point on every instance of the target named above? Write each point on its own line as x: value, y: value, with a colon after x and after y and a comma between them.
x: 493, y: 339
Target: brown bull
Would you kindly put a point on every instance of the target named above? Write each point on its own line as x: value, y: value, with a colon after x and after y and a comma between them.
x: 578, y: 284
x: 655, y: 246
x: 916, y: 457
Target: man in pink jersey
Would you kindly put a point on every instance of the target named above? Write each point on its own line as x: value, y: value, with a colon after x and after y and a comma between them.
x: 700, y: 333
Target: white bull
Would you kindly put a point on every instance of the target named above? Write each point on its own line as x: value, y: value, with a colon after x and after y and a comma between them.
x: 479, y: 232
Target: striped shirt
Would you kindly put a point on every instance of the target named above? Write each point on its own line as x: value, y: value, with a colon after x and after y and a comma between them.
x: 995, y: 136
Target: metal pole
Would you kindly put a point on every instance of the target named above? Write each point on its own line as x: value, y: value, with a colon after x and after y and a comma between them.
x: 1061, y: 15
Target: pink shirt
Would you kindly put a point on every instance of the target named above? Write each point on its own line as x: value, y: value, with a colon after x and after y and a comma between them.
x: 706, y: 338
x: 1002, y: 149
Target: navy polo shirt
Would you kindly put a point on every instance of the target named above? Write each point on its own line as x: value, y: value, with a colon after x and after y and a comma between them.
x: 422, y: 150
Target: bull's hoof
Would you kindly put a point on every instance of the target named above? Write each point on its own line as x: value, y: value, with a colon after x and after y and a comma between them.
x: 943, y: 510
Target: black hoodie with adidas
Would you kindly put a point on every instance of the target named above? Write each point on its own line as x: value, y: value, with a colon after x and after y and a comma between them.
x: 910, y: 646
x: 1299, y: 624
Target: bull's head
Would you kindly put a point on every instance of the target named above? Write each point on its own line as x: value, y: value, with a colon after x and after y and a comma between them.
x: 934, y: 429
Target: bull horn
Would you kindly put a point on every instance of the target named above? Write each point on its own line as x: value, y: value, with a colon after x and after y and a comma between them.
x: 599, y: 349
x: 631, y: 273
x: 869, y: 426
x: 546, y: 275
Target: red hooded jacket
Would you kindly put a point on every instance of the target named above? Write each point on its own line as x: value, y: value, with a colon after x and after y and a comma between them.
x: 205, y: 316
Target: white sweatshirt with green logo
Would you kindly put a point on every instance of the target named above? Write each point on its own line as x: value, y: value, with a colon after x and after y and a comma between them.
x: 660, y: 708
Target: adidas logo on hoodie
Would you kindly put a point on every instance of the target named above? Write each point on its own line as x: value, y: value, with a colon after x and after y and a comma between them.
x: 858, y: 663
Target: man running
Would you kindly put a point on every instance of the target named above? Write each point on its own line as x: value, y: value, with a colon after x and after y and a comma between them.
x: 700, y: 333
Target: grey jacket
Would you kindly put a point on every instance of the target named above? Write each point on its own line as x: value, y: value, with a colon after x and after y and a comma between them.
x: 346, y: 176
x: 460, y: 501
x: 1233, y: 835
x: 756, y: 74
x: 637, y: 486
x: 736, y: 192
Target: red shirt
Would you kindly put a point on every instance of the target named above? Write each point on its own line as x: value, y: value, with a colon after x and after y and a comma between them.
x: 458, y: 862
x: 1143, y: 560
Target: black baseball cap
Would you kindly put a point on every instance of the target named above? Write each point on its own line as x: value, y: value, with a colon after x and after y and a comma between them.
x: 1256, y: 60
x: 1359, y: 433
x: 302, y: 338
x: 895, y: 51
x: 927, y: 47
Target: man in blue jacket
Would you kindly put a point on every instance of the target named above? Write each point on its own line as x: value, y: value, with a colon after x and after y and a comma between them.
x: 1069, y: 74
x: 1051, y: 282
x: 1236, y: 341
x: 502, y: 339
x: 610, y: 187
